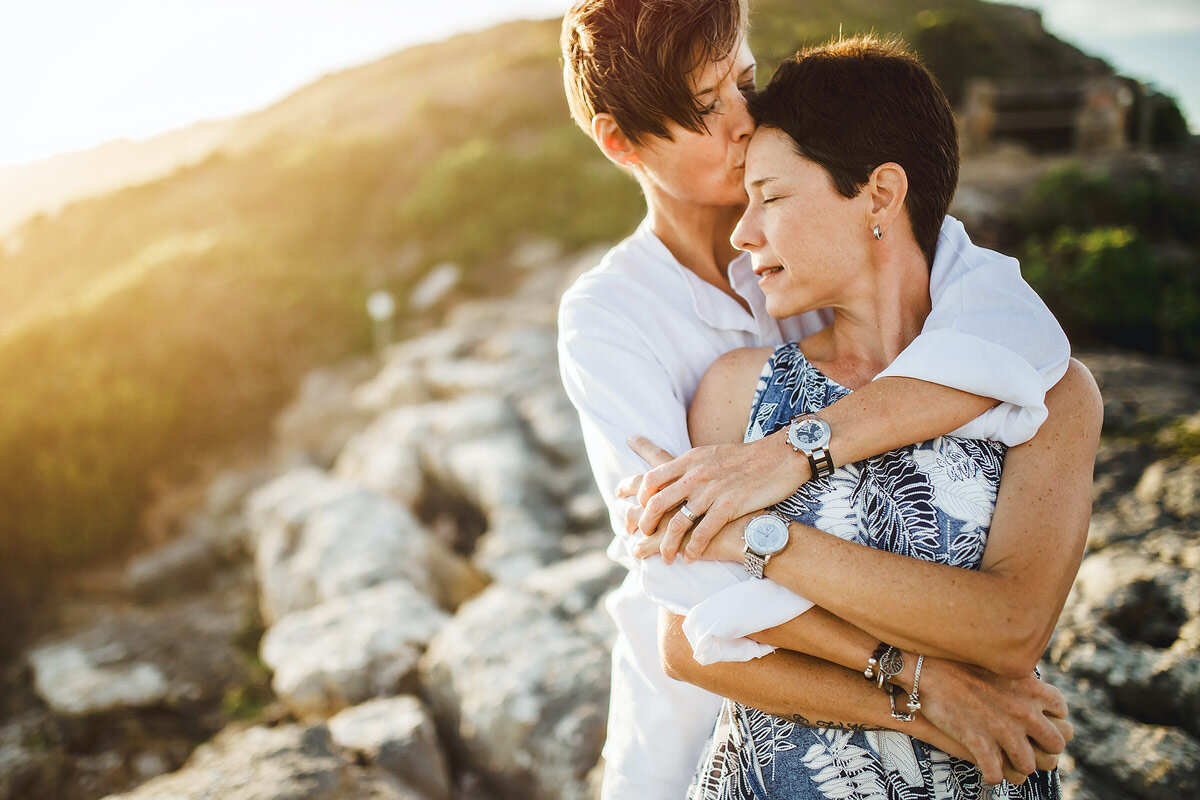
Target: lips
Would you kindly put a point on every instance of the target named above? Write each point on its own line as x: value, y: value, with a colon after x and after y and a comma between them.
x: 764, y: 271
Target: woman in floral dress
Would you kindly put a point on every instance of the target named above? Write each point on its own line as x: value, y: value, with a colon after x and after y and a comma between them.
x: 843, y: 211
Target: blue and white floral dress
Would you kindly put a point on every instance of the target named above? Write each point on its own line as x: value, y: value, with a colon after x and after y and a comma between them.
x: 932, y: 501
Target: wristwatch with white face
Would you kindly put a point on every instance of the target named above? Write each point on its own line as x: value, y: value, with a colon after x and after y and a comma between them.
x: 765, y: 535
x: 809, y: 434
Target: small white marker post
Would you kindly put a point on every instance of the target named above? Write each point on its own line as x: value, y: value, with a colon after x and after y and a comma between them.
x: 381, y: 308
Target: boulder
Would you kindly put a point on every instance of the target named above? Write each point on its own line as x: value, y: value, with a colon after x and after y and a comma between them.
x: 180, y: 656
x: 323, y: 416
x: 289, y: 762
x: 351, y: 648
x: 520, y: 679
x: 1123, y: 757
x: 321, y: 538
x: 398, y: 735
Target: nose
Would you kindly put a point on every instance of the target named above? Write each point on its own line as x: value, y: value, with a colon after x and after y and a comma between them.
x: 741, y: 125
x: 747, y: 234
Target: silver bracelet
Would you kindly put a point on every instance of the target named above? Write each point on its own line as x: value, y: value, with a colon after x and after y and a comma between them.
x: 891, y: 664
x: 914, y: 698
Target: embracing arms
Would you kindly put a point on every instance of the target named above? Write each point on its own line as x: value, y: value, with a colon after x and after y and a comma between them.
x: 1000, y: 616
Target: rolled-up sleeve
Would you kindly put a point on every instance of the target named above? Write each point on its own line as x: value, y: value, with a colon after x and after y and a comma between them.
x: 619, y: 388
x: 988, y: 333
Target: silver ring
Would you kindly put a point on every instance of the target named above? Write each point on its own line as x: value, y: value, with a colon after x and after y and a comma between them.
x: 687, y: 512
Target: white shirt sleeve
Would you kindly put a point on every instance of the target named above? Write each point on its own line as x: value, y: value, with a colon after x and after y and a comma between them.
x: 619, y: 388
x: 988, y: 333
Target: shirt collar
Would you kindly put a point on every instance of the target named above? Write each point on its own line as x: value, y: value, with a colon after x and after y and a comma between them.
x: 712, y: 306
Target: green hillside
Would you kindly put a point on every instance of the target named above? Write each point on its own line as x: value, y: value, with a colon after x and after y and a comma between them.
x: 145, y: 329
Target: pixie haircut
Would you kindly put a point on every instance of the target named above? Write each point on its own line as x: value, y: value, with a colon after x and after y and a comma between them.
x: 854, y: 104
x: 632, y: 59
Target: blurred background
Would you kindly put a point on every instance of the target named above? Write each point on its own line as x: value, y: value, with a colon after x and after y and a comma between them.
x: 197, y: 201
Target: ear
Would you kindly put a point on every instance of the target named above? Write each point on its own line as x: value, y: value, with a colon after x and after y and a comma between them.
x: 612, y: 141
x: 886, y: 189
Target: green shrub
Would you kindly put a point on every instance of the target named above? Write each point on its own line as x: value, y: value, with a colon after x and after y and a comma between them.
x: 1105, y: 285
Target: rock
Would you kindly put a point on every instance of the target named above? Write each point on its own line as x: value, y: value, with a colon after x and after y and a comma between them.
x: 290, y: 762
x: 180, y: 656
x: 315, y: 427
x: 73, y: 680
x: 180, y: 567
x: 397, y: 734
x: 322, y: 538
x: 29, y: 764
x: 1140, y: 389
x: 398, y: 383
x: 1129, y: 759
x: 350, y: 649
x: 434, y: 287
x: 531, y: 718
x: 1131, y: 627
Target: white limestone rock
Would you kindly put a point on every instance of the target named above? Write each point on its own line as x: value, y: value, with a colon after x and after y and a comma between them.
x: 520, y: 677
x: 397, y: 734
x: 351, y: 648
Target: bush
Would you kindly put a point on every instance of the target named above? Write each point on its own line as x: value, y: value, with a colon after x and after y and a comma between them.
x: 1105, y: 285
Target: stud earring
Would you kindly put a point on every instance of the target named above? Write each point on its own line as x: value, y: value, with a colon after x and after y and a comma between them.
x: 878, y: 233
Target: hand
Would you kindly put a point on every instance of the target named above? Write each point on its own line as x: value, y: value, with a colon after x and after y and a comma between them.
x: 726, y: 545
x: 719, y: 483
x: 1011, y: 727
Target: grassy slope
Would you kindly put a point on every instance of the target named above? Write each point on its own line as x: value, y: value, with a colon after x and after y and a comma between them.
x: 154, y: 324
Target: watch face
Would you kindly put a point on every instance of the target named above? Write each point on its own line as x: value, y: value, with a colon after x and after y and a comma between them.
x: 810, y: 434
x: 766, y: 534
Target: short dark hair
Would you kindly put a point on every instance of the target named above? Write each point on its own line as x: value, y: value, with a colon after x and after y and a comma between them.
x: 854, y: 104
x: 632, y: 59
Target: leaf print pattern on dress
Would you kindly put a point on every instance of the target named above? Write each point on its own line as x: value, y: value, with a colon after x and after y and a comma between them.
x: 932, y: 501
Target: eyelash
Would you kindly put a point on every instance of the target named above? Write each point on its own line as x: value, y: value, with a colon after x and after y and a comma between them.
x: 710, y: 109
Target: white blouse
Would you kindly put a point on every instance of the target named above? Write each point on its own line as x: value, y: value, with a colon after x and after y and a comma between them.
x: 636, y: 334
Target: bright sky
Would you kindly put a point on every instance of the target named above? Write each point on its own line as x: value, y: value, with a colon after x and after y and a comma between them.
x: 75, y: 73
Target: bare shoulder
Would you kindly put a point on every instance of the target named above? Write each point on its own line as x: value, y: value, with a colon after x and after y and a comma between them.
x: 1076, y: 395
x: 721, y: 406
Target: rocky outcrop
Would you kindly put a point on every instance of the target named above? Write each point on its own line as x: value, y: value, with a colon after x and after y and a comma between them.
x: 290, y: 762
x: 520, y: 679
x: 422, y: 557
x: 398, y: 735
x: 351, y: 648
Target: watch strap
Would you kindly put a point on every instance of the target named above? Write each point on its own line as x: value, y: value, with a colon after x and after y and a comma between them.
x: 821, y: 462
x: 755, y: 563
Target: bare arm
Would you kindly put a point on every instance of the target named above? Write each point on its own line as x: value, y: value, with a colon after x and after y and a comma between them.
x: 999, y: 617
x: 712, y: 478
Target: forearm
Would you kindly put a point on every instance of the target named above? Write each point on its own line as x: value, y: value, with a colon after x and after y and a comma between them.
x: 977, y: 617
x: 889, y: 413
x: 796, y: 687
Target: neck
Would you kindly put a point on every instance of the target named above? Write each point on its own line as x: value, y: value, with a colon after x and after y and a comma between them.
x: 697, y: 235
x: 882, y: 313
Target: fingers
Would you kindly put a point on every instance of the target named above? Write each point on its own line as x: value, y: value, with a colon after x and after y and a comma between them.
x: 648, y: 546
x: 676, y: 529
x: 1054, y: 703
x: 710, y: 525
x: 987, y: 757
x: 1045, y: 761
x: 1065, y: 729
x: 1013, y: 775
x: 661, y: 477
x: 648, y: 450
x: 1019, y: 757
x: 1048, y: 733
x: 629, y: 486
x: 633, y: 513
x: 666, y: 502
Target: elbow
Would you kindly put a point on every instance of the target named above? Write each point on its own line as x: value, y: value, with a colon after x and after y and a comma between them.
x: 1015, y: 654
